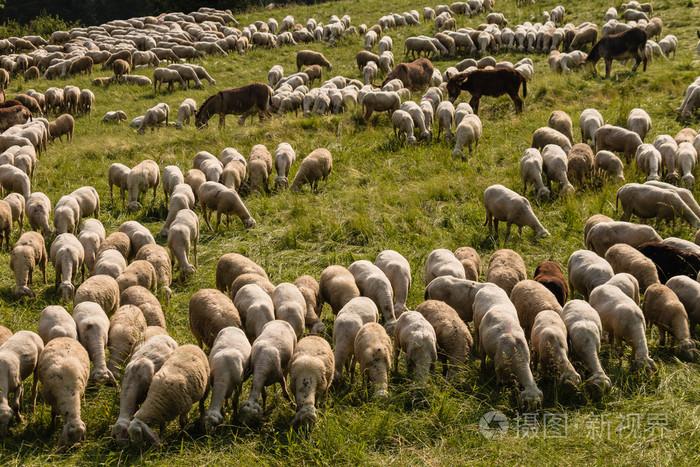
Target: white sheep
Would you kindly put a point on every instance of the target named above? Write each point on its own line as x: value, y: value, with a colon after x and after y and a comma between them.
x: 416, y: 337
x: 606, y: 161
x: 269, y: 361
x: 503, y: 204
x: 398, y: 271
x: 617, y: 139
x: 555, y: 165
x: 442, y: 262
x: 639, y: 122
x: 171, y: 177
x: 140, y: 179
x: 126, y: 327
x: 67, y: 255
x: 586, y: 271
x: 284, y: 157
x: 181, y: 198
x: 118, y: 174
x: 184, y: 231
x: 468, y: 133
x: 531, y: 170
x: 93, y: 328
x: 686, y: 158
x: 56, y: 322
x: 155, y: 116
x: 403, y: 126
x: 110, y: 263
x: 445, y: 117
x: 622, y: 320
x: 101, y: 289
x: 66, y: 215
x: 550, y: 347
x: 63, y: 370
x: 290, y: 306
x: 210, y: 311
x: 255, y: 307
x: 310, y: 377
x: 18, y: 359
x: 353, y: 315
x: 647, y: 201
x: 648, y: 160
x: 138, y: 375
x: 373, y: 283
x: 180, y: 382
x: 92, y: 234
x: 546, y: 136
x: 602, y: 236
x: 229, y: 361
x: 28, y: 252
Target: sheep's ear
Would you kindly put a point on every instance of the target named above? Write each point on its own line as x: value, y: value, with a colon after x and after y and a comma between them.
x: 150, y: 435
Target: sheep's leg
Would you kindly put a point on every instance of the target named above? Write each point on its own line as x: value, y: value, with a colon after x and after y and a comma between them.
x: 495, y: 227
x: 662, y: 335
x: 264, y: 398
x: 285, y: 392
x: 195, y: 251
x: 206, y: 216
x: 218, y: 219
x: 508, y: 225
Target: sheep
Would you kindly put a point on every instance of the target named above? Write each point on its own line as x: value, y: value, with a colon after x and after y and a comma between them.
x: 648, y: 160
x: 310, y: 376
x: 138, y: 375
x: 606, y: 161
x: 66, y: 215
x: 688, y: 292
x: 580, y: 163
x: 622, y: 320
x: 316, y: 166
x: 255, y: 307
x: 505, y: 269
x: 139, y: 272
x: 28, y: 252
x: 232, y: 265
x: 561, y: 122
x: 63, y: 125
x: 442, y: 262
x: 639, y: 122
x: 110, y: 263
x: 125, y: 329
x: 18, y: 359
x: 180, y: 382
x: 209, y: 312
x: 338, y: 287
x: 625, y: 258
x: 101, y: 289
x: 403, y: 124
x: 669, y: 44
x: 309, y: 57
x: 585, y: 332
x: 416, y: 113
x: 586, y: 271
x: 171, y: 177
x: 555, y: 167
x: 269, y: 360
x: 529, y: 298
x: 471, y: 262
x: 686, y: 157
x: 284, y: 159
x: 663, y: 308
x: 155, y: 116
x: 56, y: 322
x: 181, y: 198
x: 545, y: 136
x: 148, y: 304
x: 116, y: 241
x: 5, y: 334
x: 502, y: 339
x: 445, y: 116
x: 606, y: 234
x: 183, y: 232
x: 311, y: 291
x: 63, y: 369
x: 185, y: 111
x: 17, y: 205
x: 646, y: 201
x: 229, y: 362
x: 5, y: 223
x: 550, y: 348
x: 67, y: 255
x: 398, y: 271
x: 167, y: 75
x: 682, y: 244
x: 416, y: 337
x: 85, y: 101
x: 118, y: 174
x: 373, y: 351
x: 468, y: 132
x: 38, y: 209
x: 275, y: 74
x: 379, y: 101
x: 93, y: 327
x: 217, y: 197
x: 353, y: 315
x: 454, y: 341
x: 140, y: 179
x: 531, y: 170
x: 617, y: 139
x: 373, y: 283
x: 502, y: 204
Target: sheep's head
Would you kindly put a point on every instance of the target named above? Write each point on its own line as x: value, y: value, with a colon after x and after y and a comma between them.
x: 598, y: 385
x: 570, y: 379
x: 24, y: 291
x: 73, y: 432
x: 212, y: 419
x: 389, y: 325
x: 543, y: 193
x: 6, y: 416
x: 281, y: 183
x: 531, y: 398
x: 686, y: 350
x: 306, y: 417
x: 542, y: 233
x: 689, y: 181
x: 102, y: 376
x: 645, y: 363
x: 66, y: 291
x: 249, y: 223
x: 120, y: 431
x: 318, y: 328
x: 140, y: 432
x: 133, y: 206
x: 251, y: 412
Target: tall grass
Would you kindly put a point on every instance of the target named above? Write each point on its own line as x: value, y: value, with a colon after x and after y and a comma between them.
x: 380, y: 195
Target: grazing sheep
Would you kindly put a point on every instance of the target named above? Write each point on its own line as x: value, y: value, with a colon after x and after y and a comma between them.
x: 617, y: 139
x: 471, y: 262
x: 126, y: 327
x: 309, y: 57
x: 118, y: 174
x: 101, y: 289
x: 155, y: 116
x: 555, y: 166
x: 171, y: 177
x: 639, y: 122
x: 316, y: 166
x: 454, y: 341
x: 529, y: 298
x: 353, y: 315
x: 5, y: 223
x: 606, y: 161
x: 284, y: 158
x: 232, y: 265
x: 416, y: 337
x: 184, y: 231
x: 148, y: 304
x: 506, y: 268
x: 338, y: 287
x: 28, y: 252
x: 67, y: 255
x: 180, y: 382
x: 138, y: 375
x: 85, y: 101
x: 181, y: 198
x: 550, y: 348
x: 140, y: 179
x: 586, y: 271
x: 550, y: 275
x: 531, y: 170
x: 379, y: 101
x: 646, y: 201
x: 93, y: 327
x: 311, y: 291
x: 686, y: 158
x: 66, y: 215
x: 373, y: 351
x: 442, y: 262
x: 217, y: 197
x: 688, y: 292
x: 209, y: 312
x: 398, y: 271
x: 110, y: 263
x: 457, y: 293
x: 269, y: 360
x: 663, y: 308
x: 625, y: 258
x: 310, y: 377
x: 403, y: 126
x: 560, y: 121
x: 13, y: 179
x: 502, y: 204
x: 606, y: 233
x: 623, y: 321
x: 139, y: 272
x: 585, y: 332
x: 445, y: 117
x: 185, y: 111
x: 255, y: 307
x: 18, y: 359
x: 116, y: 241
x: 290, y: 306
x: 648, y: 160
x: 373, y: 283
x: 167, y: 75
x: 63, y: 125
x: 17, y: 205
x: 56, y: 322
x: 580, y: 163
x: 63, y: 368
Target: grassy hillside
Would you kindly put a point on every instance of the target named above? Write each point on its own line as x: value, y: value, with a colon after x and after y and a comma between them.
x: 381, y: 195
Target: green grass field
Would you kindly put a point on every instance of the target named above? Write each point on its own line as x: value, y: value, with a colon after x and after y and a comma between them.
x: 381, y: 195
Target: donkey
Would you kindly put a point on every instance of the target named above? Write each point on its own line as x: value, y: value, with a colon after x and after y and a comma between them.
x: 488, y: 83
x: 622, y: 46
x: 246, y: 100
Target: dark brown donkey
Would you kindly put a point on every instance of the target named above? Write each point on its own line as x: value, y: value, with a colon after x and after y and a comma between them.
x: 488, y: 83
x: 628, y: 44
x: 246, y: 100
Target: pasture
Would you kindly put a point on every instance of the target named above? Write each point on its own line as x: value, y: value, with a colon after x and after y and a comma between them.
x: 380, y: 195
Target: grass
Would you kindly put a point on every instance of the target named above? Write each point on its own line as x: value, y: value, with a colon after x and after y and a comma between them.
x: 380, y: 196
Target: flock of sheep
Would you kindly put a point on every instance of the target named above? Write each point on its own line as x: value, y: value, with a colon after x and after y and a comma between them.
x: 254, y: 328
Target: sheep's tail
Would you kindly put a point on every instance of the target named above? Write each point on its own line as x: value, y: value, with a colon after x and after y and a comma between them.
x: 524, y: 87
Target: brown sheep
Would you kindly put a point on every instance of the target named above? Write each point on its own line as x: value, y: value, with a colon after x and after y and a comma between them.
x: 415, y: 76
x: 551, y: 275
x: 121, y: 67
x: 63, y: 125
x: 309, y: 57
x: 454, y: 341
x: 315, y: 72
